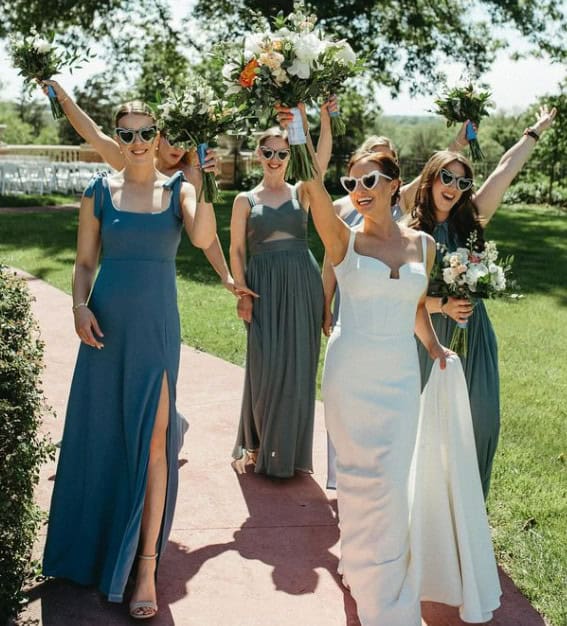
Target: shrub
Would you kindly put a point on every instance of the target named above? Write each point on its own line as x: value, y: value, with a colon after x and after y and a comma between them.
x: 23, y: 448
x: 535, y: 192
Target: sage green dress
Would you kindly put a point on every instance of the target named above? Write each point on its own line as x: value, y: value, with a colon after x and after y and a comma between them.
x: 480, y: 367
x: 284, y: 339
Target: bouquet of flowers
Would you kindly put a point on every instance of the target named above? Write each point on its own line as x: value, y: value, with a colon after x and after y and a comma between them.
x: 462, y: 103
x: 293, y: 63
x: 471, y: 273
x: 193, y: 117
x: 38, y: 59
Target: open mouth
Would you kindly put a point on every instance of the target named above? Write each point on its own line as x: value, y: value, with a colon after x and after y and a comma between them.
x: 139, y: 151
x: 449, y: 197
x: 364, y: 201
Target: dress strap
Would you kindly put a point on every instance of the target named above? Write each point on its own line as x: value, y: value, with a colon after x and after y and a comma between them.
x: 294, y: 195
x: 96, y: 188
x: 423, y: 248
x: 174, y: 185
x: 345, y: 263
x: 251, y: 199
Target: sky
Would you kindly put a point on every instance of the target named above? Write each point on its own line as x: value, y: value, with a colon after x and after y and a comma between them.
x: 515, y: 85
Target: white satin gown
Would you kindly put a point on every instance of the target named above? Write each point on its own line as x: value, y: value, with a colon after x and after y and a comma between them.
x: 372, y: 423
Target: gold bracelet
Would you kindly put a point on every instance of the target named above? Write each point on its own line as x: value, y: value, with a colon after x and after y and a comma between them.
x: 76, y: 307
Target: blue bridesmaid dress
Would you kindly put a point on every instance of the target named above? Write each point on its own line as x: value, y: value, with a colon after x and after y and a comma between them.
x: 98, y: 498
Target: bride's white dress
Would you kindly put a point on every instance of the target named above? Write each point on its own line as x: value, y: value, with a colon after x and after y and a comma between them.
x: 373, y: 423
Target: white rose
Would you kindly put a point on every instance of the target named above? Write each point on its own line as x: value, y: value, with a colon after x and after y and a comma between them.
x: 41, y: 45
x: 345, y: 53
x: 308, y: 47
x: 299, y: 69
x: 253, y: 45
x: 475, y: 272
x: 448, y: 276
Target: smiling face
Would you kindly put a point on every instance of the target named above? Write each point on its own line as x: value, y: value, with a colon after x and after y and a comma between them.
x: 275, y: 166
x: 445, y: 197
x: 377, y: 199
x: 139, y: 151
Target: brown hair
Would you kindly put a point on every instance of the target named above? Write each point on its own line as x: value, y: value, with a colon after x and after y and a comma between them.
x: 274, y: 131
x: 134, y: 107
x: 378, y: 140
x: 386, y: 165
x: 463, y: 217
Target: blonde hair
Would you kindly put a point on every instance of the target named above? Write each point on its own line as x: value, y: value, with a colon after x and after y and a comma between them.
x: 134, y: 107
x: 274, y: 131
x: 377, y: 140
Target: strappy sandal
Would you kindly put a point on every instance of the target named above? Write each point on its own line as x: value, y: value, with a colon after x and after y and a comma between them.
x: 144, y: 609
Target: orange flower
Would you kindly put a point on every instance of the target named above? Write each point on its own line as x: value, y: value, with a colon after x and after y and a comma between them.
x: 248, y: 74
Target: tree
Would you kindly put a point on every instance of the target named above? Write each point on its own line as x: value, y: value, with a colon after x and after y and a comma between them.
x: 99, y: 98
x: 552, y: 148
x: 408, y: 41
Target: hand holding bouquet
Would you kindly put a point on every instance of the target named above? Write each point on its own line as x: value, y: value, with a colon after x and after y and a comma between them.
x: 37, y: 59
x: 194, y: 117
x: 291, y: 64
x: 470, y: 273
x: 462, y: 104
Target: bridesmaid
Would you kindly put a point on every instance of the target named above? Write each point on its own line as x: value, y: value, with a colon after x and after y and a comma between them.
x: 275, y: 433
x: 382, y: 270
x: 116, y: 484
x: 448, y: 208
x: 170, y: 159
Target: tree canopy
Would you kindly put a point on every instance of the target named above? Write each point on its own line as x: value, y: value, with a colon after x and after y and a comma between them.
x: 409, y: 41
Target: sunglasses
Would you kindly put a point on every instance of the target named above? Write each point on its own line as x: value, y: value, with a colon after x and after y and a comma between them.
x: 128, y: 135
x: 368, y: 181
x: 268, y: 153
x: 179, y: 144
x: 462, y: 183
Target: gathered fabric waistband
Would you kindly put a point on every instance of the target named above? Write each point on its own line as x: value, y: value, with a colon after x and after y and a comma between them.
x: 278, y: 245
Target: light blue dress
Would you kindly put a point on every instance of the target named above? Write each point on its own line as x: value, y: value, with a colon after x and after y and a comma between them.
x: 97, y: 503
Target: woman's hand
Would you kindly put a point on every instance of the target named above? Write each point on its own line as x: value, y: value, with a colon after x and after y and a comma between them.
x: 544, y: 119
x: 331, y: 105
x: 244, y: 308
x: 437, y: 351
x: 238, y: 290
x: 285, y: 116
x: 59, y: 91
x: 195, y: 171
x: 85, y: 324
x: 459, y: 309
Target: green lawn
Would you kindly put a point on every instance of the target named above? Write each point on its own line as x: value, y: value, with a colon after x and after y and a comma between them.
x: 528, y: 500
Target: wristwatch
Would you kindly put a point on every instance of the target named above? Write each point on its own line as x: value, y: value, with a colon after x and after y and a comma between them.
x: 444, y: 301
x: 530, y: 132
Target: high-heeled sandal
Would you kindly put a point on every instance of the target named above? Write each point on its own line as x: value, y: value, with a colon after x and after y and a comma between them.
x: 144, y: 609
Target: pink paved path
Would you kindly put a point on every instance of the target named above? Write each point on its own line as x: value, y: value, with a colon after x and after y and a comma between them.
x: 243, y: 551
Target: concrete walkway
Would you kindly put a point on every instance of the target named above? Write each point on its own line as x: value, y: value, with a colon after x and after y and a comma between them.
x: 244, y: 551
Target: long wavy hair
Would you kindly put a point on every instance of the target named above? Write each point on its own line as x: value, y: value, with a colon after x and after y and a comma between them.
x: 463, y: 218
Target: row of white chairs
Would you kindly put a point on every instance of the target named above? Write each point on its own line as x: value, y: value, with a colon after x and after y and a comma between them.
x: 39, y: 177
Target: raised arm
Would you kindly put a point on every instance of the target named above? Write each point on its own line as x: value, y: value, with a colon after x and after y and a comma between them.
x: 87, y: 128
x: 325, y: 143
x: 489, y: 196
x: 333, y: 231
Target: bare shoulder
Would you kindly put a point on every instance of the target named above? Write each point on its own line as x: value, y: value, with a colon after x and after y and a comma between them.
x: 241, y: 202
x: 416, y: 236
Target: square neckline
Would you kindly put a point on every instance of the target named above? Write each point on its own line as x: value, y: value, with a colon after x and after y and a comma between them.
x: 153, y: 213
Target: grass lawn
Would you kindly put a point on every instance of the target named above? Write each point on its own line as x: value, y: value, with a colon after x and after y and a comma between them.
x: 528, y: 500
x: 24, y: 200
